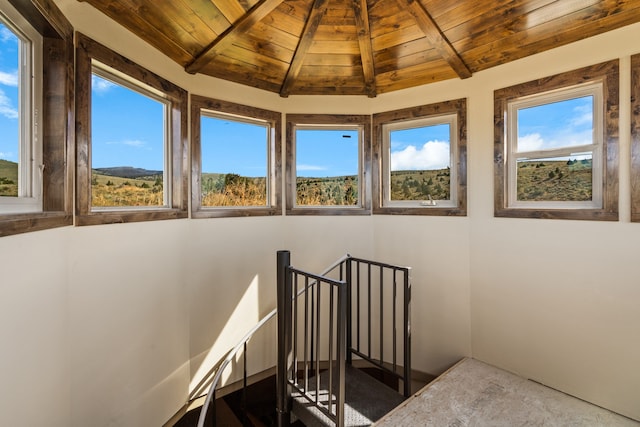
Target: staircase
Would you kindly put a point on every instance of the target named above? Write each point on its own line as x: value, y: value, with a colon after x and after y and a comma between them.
x: 356, y: 310
x: 366, y: 401
x: 325, y: 322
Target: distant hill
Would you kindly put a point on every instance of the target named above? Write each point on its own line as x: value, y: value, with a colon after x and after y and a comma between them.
x: 8, y: 178
x: 127, y: 172
x: 9, y: 170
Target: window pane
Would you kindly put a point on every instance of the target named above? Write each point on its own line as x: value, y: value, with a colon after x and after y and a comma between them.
x: 567, y: 123
x: 556, y: 126
x: 556, y: 179
x: 234, y: 162
x: 9, y: 116
x: 421, y: 163
x: 327, y: 167
x: 128, y: 146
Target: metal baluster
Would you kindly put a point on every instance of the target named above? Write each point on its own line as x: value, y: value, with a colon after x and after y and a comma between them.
x: 407, y: 333
x: 369, y: 310
x: 244, y: 385
x: 395, y: 312
x: 294, y: 375
x: 305, y: 371
x: 330, y: 360
x: 358, y: 305
x: 349, y: 311
x: 381, y: 324
x: 317, y: 355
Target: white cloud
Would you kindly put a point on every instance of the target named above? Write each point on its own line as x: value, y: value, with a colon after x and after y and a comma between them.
x: 562, y: 138
x: 6, y: 35
x: 129, y: 142
x: 6, y: 109
x: 9, y: 79
x: 100, y: 86
x: 531, y: 142
x: 432, y: 155
x: 310, y: 168
x: 5, y: 155
x: 584, y: 115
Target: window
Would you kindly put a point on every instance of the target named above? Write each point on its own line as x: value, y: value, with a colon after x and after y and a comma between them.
x: 36, y: 50
x: 419, y: 165
x: 129, y: 160
x: 635, y: 138
x: 556, y: 146
x: 131, y: 140
x: 327, y: 164
x: 235, y: 159
x: 20, y: 104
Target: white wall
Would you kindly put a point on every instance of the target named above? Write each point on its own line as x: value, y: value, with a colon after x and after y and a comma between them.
x: 551, y: 300
x: 34, y: 329
x: 113, y: 324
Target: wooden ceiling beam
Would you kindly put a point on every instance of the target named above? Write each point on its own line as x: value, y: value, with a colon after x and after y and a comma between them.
x: 436, y: 37
x: 366, y: 51
x: 318, y: 10
x: 244, y: 24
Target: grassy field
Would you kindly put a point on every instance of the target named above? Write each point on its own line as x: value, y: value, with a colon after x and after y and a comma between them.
x: 536, y: 181
x: 555, y: 180
x: 113, y: 191
x: 420, y: 184
x: 330, y: 191
x: 233, y: 190
x: 8, y: 178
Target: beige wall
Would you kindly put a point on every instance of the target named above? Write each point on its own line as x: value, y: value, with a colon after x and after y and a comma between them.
x: 111, y: 325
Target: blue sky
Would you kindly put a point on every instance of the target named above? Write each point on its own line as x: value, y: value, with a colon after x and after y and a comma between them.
x: 230, y: 146
x: 8, y: 95
x: 422, y: 148
x: 560, y: 124
x: 127, y: 130
x: 326, y: 152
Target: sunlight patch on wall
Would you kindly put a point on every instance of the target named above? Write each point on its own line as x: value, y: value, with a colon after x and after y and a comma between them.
x: 245, y: 315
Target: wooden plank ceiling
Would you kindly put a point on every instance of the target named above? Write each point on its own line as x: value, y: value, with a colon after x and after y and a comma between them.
x: 358, y: 47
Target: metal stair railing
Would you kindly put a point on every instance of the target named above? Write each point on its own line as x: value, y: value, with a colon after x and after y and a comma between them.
x: 306, y: 344
x: 392, y: 284
x: 216, y: 373
x: 368, y: 301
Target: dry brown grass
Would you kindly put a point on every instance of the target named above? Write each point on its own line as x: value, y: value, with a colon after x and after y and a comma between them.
x: 554, y: 181
x: 125, y: 195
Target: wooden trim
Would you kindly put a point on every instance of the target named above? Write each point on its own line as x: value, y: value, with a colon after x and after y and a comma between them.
x: 198, y: 103
x: 459, y: 107
x: 608, y: 74
x: 361, y: 12
x: 259, y: 11
x: 318, y: 11
x: 635, y: 138
x: 437, y: 38
x: 87, y: 50
x: 57, y: 120
x: 365, y: 162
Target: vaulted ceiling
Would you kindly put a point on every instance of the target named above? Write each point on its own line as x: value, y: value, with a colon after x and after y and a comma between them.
x: 358, y: 47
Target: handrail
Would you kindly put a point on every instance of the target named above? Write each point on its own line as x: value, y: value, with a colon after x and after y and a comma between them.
x: 370, y: 289
x: 334, y: 321
x: 242, y: 343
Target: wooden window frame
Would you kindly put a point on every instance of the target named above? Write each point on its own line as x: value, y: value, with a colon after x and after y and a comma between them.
x: 606, y: 74
x: 274, y: 170
x: 57, y: 121
x: 88, y: 50
x: 381, y: 171
x: 364, y: 190
x: 635, y: 138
